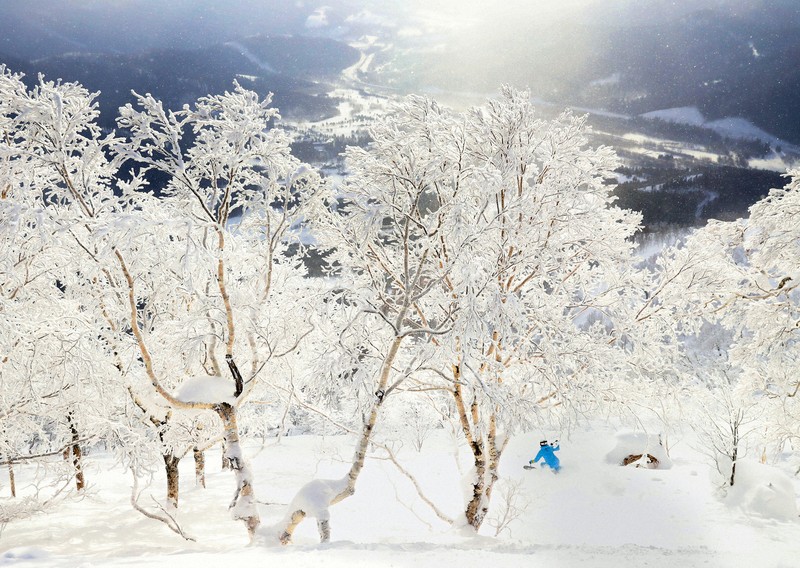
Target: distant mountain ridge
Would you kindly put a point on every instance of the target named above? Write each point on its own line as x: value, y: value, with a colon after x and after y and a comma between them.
x: 728, y: 59
x: 297, y: 74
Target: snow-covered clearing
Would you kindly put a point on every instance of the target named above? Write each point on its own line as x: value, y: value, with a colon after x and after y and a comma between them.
x: 731, y: 127
x: 681, y: 115
x: 593, y: 513
x: 774, y: 162
x: 357, y: 109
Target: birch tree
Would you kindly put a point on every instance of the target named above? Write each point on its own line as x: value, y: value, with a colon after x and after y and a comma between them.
x: 544, y: 280
x: 234, y: 163
x: 220, y: 157
x: 487, y: 237
x: 49, y: 364
x: 760, y: 302
x: 385, y: 233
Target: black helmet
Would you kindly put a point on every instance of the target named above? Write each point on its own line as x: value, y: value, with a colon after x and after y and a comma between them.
x: 543, y: 443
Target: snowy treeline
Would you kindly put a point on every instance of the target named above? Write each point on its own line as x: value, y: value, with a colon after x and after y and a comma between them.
x: 481, y: 280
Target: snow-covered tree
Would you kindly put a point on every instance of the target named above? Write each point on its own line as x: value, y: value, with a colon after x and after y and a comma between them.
x: 761, y: 302
x: 483, y: 244
x: 52, y: 360
x: 545, y: 278
x: 726, y: 301
x: 221, y: 159
x: 386, y: 236
x: 176, y: 279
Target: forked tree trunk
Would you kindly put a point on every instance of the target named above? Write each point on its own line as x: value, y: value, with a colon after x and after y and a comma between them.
x: 75, y: 451
x: 486, y: 454
x: 243, y: 505
x: 173, y: 479
x: 360, y: 453
x: 199, y: 467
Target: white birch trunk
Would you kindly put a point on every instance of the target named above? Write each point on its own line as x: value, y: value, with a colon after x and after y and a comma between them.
x: 360, y: 453
x: 243, y: 506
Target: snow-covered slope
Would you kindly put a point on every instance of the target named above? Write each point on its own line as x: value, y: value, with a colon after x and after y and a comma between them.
x: 731, y: 127
x: 592, y: 514
x: 681, y: 115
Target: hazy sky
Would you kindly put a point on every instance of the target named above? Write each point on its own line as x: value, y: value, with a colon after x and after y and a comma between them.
x: 126, y: 25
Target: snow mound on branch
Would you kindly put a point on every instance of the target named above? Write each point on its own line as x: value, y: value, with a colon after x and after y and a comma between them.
x: 314, y: 498
x: 763, y: 490
x: 206, y: 390
x: 639, y: 443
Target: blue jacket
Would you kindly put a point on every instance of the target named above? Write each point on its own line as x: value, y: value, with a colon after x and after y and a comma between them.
x: 547, y: 453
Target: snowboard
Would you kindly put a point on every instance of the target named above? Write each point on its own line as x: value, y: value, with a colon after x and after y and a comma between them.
x: 555, y: 471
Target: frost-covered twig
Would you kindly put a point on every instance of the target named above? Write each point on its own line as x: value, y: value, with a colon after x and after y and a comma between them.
x: 30, y: 457
x: 414, y: 481
x: 512, y: 505
x: 316, y: 410
x: 19, y: 509
x: 167, y: 518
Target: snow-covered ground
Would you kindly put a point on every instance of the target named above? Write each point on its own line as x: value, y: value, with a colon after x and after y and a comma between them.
x: 357, y: 110
x: 594, y: 513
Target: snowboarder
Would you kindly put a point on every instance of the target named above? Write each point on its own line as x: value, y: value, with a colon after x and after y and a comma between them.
x: 547, y: 453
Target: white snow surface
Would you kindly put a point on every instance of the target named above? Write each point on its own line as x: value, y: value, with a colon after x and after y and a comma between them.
x: 206, y: 389
x: 741, y: 128
x: 591, y: 514
x: 763, y: 490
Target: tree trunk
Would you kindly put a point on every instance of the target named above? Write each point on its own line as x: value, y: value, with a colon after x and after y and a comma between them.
x: 478, y: 505
x: 11, y: 480
x: 735, y: 452
x: 75, y: 450
x: 496, y: 448
x: 486, y: 454
x: 173, y: 479
x: 243, y: 505
x: 225, y: 463
x: 476, y: 509
x: 360, y: 453
x: 199, y: 467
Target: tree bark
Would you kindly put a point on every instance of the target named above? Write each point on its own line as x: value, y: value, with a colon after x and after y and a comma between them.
x: 225, y: 463
x: 475, y: 510
x: 486, y: 454
x: 243, y: 504
x: 735, y: 452
x: 173, y: 478
x: 496, y: 447
x: 11, y: 480
x: 75, y: 451
x: 199, y: 467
